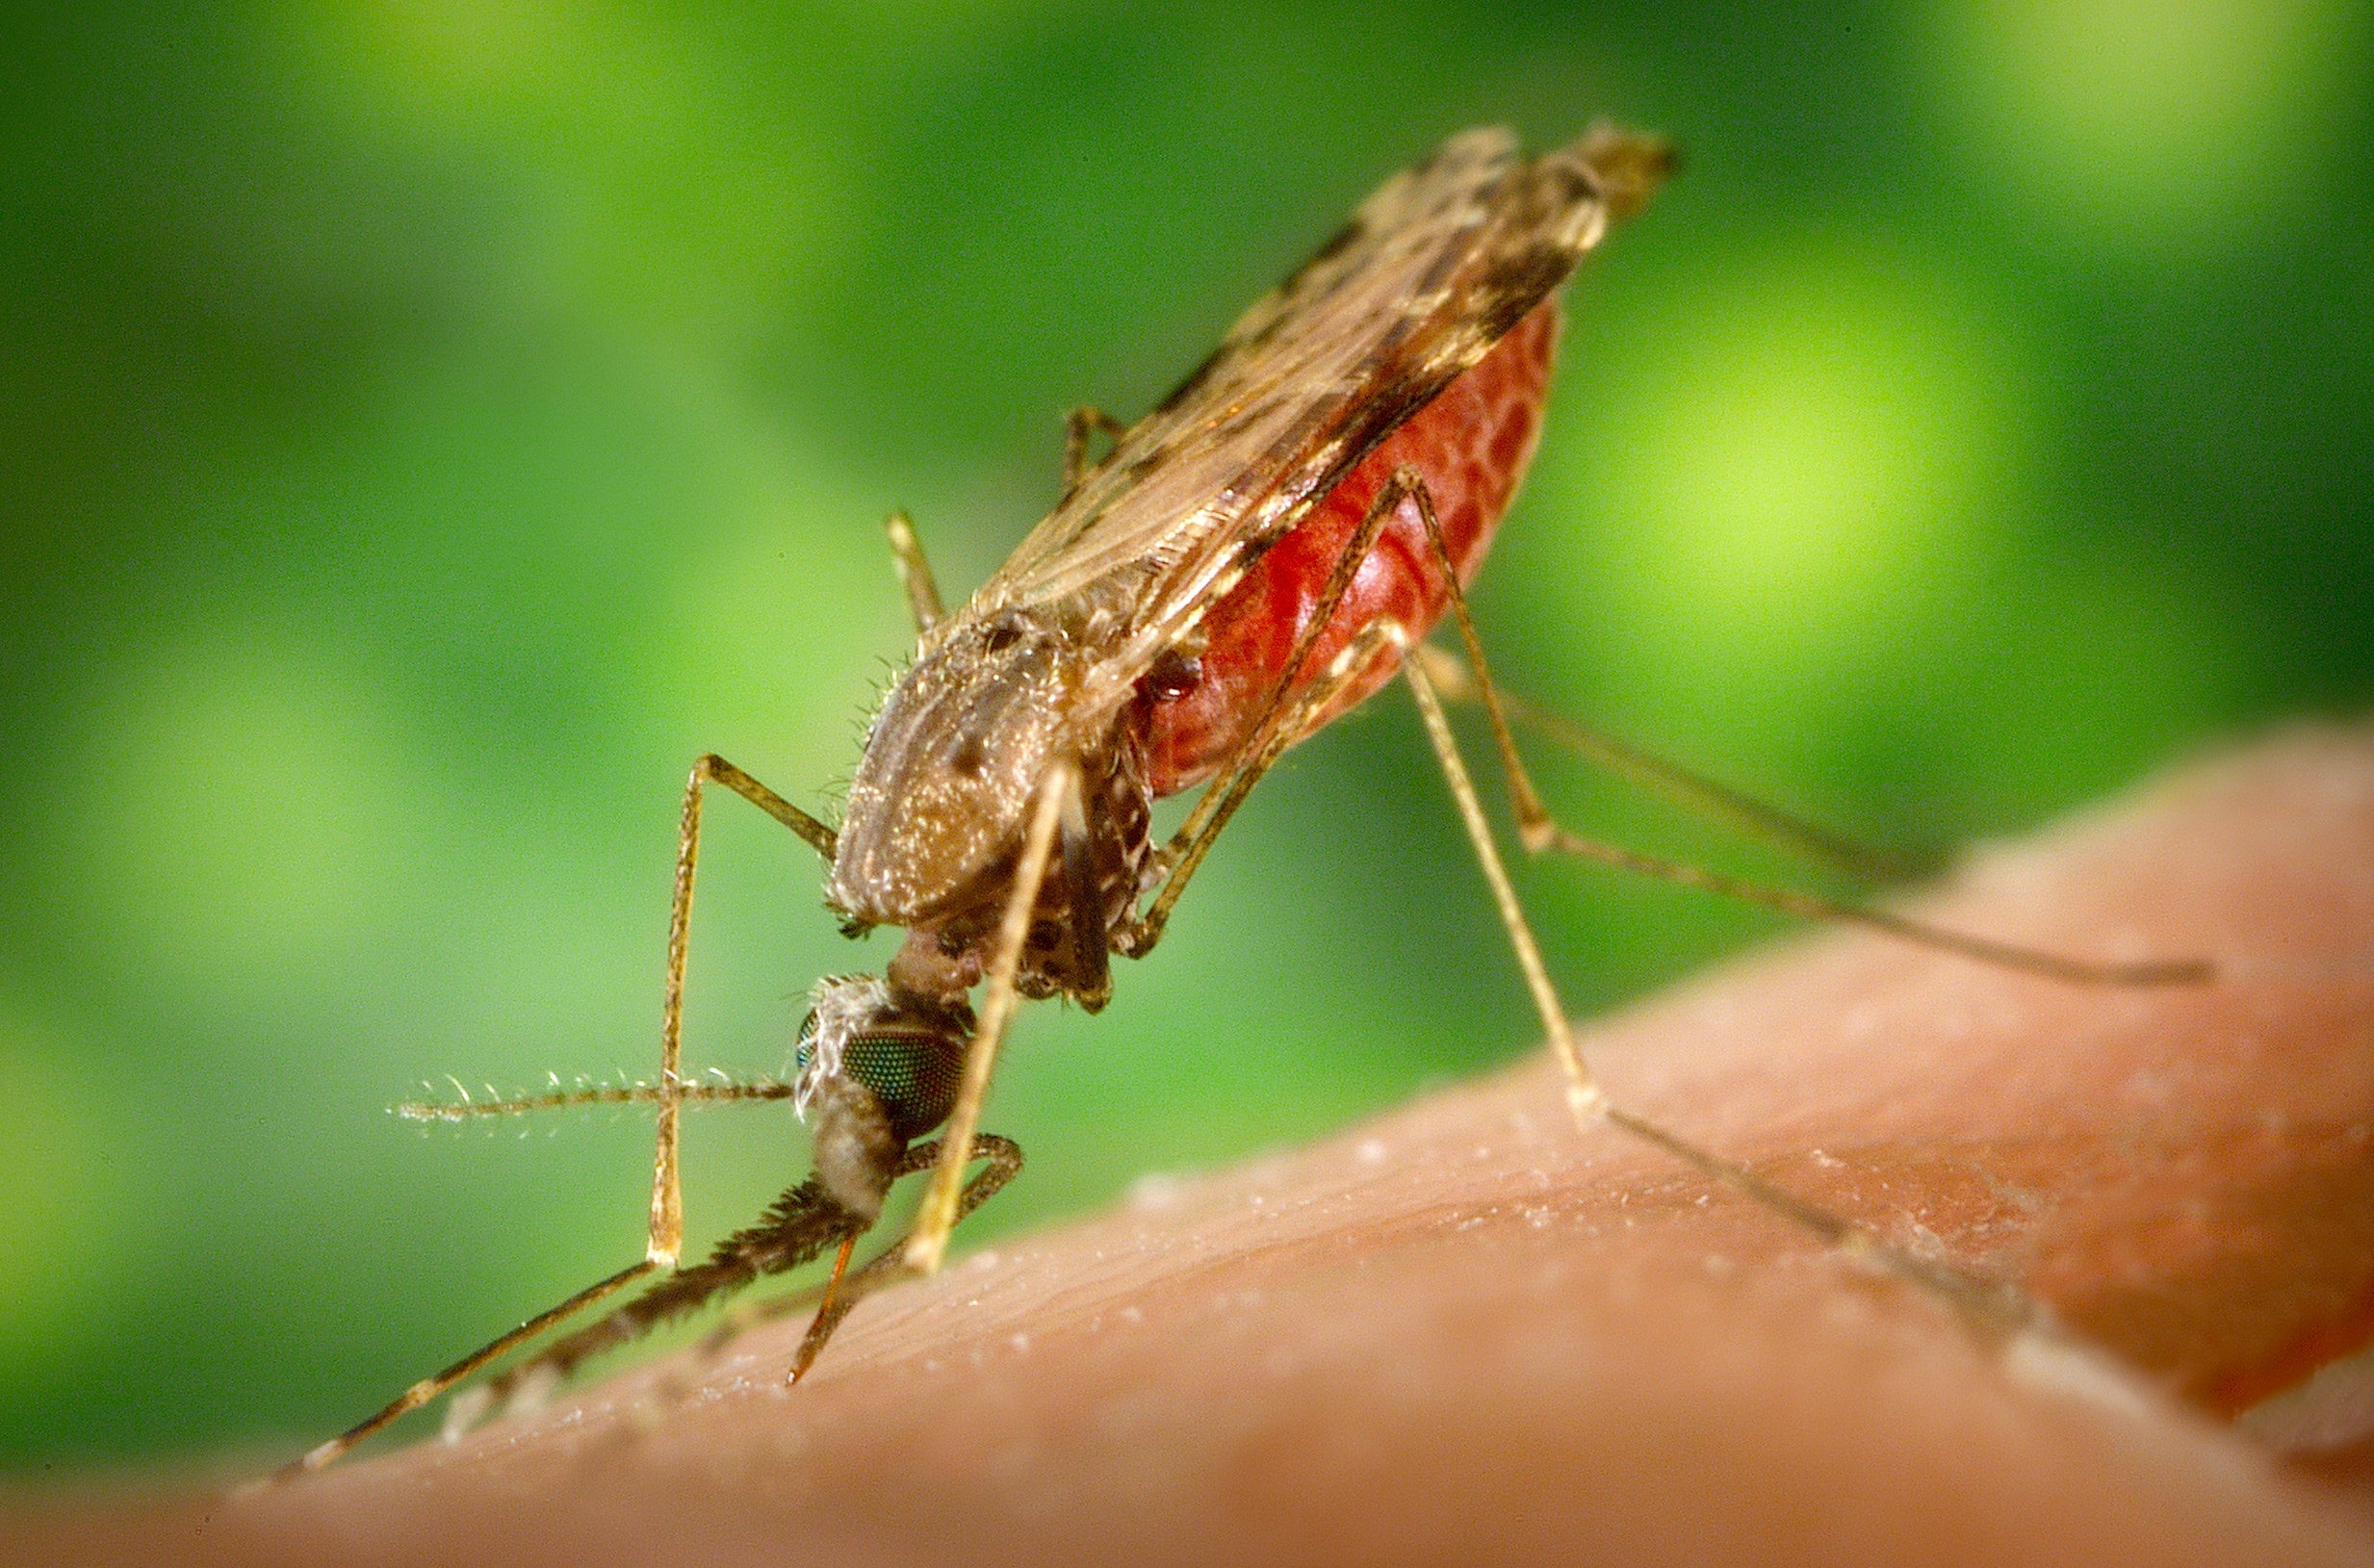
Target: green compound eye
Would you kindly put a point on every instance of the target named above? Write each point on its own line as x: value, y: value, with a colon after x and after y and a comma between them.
x: 914, y: 1079
x: 909, y: 1061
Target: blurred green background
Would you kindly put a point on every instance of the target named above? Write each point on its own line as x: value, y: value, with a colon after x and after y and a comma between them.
x: 430, y: 424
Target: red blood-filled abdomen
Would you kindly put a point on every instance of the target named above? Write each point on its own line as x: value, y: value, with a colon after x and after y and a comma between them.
x: 1471, y: 445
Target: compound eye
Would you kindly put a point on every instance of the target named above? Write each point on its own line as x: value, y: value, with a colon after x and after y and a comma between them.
x: 915, y: 1078
x: 912, y: 1061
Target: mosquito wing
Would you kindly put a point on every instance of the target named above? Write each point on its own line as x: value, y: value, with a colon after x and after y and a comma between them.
x: 1416, y: 287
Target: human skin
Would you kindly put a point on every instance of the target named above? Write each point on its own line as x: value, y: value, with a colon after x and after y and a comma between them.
x: 1467, y: 1331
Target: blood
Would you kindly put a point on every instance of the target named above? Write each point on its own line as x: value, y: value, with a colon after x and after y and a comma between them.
x: 1470, y: 444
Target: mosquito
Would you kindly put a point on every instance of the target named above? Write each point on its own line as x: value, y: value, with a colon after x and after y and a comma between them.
x: 1265, y: 550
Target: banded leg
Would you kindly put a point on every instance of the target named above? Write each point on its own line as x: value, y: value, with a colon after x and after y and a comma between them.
x: 1987, y: 1302
x: 1992, y: 1305
x: 1537, y: 830
x: 1988, y: 1305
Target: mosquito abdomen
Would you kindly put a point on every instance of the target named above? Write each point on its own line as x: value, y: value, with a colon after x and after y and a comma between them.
x: 1470, y: 444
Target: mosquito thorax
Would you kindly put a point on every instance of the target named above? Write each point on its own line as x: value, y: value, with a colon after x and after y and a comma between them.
x: 941, y: 796
x: 934, y: 819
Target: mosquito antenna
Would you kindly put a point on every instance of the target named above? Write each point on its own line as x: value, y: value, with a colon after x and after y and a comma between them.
x: 728, y: 1090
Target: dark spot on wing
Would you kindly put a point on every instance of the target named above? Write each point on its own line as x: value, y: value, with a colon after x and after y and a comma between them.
x: 1195, y: 379
x: 1154, y: 458
x: 1515, y: 283
x: 1238, y: 419
x: 1278, y: 323
x: 1341, y: 241
x: 1433, y: 270
x: 1575, y: 184
x: 1389, y: 407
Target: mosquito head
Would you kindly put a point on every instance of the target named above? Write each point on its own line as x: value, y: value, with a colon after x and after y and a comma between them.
x: 878, y: 1068
x: 908, y: 1055
x: 939, y: 801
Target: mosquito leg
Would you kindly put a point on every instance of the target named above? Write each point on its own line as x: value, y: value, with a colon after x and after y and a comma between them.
x: 1273, y: 730
x: 664, y: 1241
x: 1078, y: 425
x: 1539, y: 831
x: 937, y: 1215
x: 668, y: 1202
x: 914, y: 573
x: 429, y: 1388
x: 1583, y: 1095
x: 1692, y: 791
x: 1990, y: 1305
x: 715, y: 769
x: 1005, y: 1163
